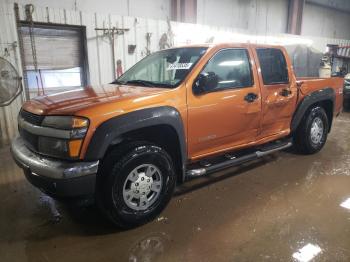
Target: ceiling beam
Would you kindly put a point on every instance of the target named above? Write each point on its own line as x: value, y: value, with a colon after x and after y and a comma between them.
x: 184, y: 11
x: 295, y: 16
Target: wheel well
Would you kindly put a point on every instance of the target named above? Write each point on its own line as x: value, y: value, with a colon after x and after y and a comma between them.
x: 164, y: 136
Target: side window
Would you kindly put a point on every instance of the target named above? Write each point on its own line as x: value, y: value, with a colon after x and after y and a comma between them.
x: 273, y: 66
x: 232, y: 68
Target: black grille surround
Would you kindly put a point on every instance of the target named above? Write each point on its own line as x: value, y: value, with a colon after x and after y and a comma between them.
x: 31, y: 118
x: 30, y: 140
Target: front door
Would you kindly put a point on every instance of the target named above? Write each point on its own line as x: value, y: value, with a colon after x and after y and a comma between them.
x: 228, y: 115
x: 278, y: 91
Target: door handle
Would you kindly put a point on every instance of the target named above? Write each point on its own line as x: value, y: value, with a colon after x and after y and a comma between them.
x: 285, y: 92
x: 250, y: 97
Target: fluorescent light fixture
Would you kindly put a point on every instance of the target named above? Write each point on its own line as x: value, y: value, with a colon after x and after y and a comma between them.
x: 307, y: 253
x: 231, y: 63
x: 346, y: 204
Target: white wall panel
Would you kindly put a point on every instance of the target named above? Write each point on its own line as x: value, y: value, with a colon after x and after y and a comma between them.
x: 92, y: 50
x: 8, y: 36
x: 253, y: 16
x: 325, y: 22
x: 158, y: 9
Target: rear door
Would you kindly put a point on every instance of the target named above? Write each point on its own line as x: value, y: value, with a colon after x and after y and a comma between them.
x: 229, y: 114
x: 278, y: 91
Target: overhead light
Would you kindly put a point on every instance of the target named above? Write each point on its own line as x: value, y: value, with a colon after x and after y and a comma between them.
x: 307, y: 253
x: 346, y: 204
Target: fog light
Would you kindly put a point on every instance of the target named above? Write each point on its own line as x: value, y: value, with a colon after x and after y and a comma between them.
x: 53, y: 147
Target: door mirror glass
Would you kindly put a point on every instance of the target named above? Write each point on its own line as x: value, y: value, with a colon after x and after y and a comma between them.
x: 205, y: 82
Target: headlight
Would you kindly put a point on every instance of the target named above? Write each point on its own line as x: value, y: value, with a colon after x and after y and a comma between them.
x: 74, y: 128
x: 65, y: 122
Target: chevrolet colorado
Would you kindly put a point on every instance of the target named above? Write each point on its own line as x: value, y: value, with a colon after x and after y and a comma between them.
x: 177, y: 114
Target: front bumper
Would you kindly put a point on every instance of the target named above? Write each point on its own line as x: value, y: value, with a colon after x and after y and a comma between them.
x: 55, y: 177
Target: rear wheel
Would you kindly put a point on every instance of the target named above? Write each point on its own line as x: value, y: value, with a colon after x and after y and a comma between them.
x: 346, y: 103
x: 135, y: 184
x: 312, y: 132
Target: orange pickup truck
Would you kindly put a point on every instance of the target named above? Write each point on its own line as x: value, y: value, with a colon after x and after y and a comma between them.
x: 177, y: 114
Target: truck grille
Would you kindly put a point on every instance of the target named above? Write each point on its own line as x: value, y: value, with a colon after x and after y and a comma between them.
x: 30, y: 140
x: 32, y: 118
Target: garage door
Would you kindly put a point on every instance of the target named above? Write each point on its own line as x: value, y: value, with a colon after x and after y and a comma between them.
x: 59, y: 55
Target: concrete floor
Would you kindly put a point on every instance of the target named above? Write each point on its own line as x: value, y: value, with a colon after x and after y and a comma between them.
x: 265, y: 210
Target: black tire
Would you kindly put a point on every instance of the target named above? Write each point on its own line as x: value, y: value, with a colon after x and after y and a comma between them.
x: 346, y: 104
x: 302, y: 138
x: 113, y: 173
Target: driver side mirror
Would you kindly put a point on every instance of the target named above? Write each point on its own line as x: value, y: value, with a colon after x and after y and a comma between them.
x: 205, y: 83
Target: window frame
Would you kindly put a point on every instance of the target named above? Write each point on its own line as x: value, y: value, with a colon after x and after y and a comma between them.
x: 230, y: 88
x: 84, y: 74
x: 285, y: 61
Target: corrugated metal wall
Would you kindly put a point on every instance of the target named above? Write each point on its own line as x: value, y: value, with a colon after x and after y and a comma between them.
x: 255, y: 16
x: 99, y: 47
x: 8, y: 40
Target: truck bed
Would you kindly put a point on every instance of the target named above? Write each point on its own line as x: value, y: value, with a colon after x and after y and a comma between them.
x: 311, y: 84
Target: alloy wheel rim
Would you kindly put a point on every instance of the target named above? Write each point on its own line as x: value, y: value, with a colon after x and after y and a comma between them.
x: 317, y: 130
x: 142, y: 187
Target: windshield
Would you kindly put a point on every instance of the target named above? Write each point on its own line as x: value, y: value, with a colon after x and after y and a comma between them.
x: 166, y: 68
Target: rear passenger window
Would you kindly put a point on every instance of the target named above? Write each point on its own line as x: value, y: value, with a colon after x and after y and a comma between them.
x: 273, y: 66
x: 232, y: 67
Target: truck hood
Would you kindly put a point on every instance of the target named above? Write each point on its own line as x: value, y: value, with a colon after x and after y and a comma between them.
x: 71, y: 102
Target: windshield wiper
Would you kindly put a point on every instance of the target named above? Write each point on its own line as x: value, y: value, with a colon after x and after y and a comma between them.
x: 117, y: 82
x: 147, y: 83
x: 141, y: 82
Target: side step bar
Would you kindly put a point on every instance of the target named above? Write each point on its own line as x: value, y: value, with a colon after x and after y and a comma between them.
x: 236, y: 161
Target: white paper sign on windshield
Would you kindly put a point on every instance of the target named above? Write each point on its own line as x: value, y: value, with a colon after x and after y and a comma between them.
x: 177, y: 66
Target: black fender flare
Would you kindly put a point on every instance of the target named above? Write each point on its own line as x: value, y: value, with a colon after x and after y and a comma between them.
x: 310, y: 99
x: 108, y: 131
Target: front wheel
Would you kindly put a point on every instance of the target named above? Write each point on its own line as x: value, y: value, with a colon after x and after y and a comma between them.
x: 135, y: 184
x: 312, y: 132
